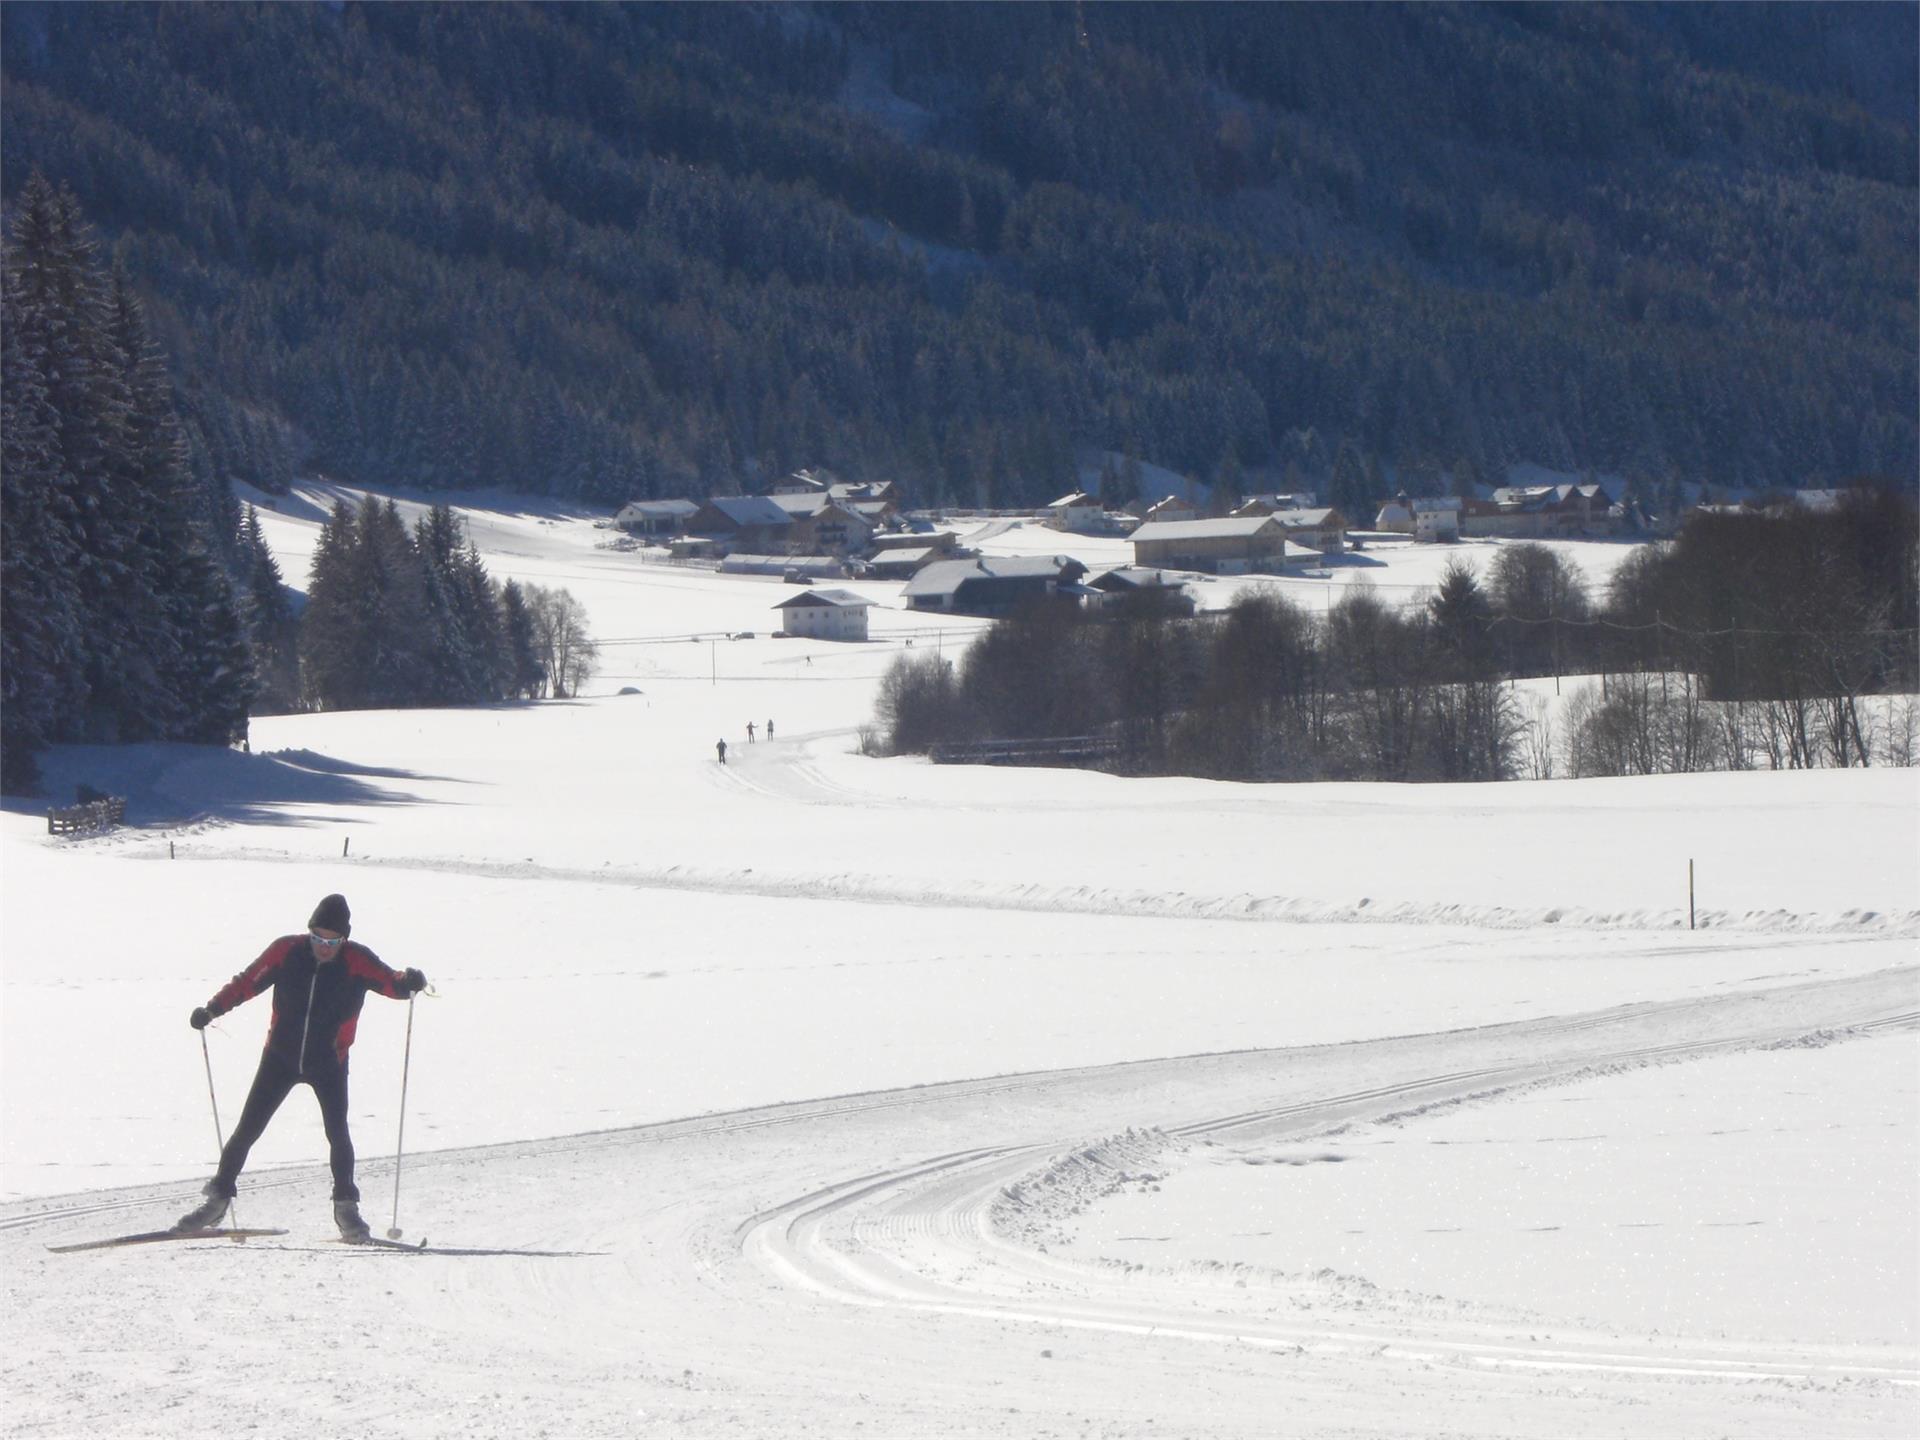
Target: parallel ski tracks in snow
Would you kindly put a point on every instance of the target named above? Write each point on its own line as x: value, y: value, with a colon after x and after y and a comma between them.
x: 742, y: 1252
x: 731, y: 1123
x: 921, y: 1238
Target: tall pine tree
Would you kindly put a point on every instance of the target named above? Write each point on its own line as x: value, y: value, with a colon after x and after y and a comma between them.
x: 190, y: 623
x: 271, y: 629
x: 331, y: 674
x: 42, y: 654
x: 65, y: 310
x: 120, y: 621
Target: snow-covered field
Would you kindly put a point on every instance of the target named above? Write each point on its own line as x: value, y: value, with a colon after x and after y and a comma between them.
x: 820, y: 1094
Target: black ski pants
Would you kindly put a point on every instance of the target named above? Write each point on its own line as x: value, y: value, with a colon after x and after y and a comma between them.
x: 272, y: 1083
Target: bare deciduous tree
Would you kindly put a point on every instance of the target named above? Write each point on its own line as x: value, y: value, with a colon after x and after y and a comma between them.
x: 561, y: 640
x: 919, y: 704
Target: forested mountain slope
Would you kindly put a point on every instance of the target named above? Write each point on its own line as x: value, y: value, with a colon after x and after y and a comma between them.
x: 614, y: 251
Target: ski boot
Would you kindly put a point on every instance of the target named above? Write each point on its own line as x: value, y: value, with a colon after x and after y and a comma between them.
x: 209, y: 1213
x: 353, y: 1229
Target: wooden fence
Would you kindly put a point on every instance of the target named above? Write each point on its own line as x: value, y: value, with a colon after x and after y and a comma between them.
x: 102, y: 814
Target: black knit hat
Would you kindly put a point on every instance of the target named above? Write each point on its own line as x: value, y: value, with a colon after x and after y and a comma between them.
x: 332, y: 914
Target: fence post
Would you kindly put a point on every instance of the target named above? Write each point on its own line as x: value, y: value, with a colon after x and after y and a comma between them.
x: 345, y: 840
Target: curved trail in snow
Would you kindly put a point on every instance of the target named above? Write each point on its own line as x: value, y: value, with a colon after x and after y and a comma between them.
x: 754, y: 1261
x: 934, y: 1236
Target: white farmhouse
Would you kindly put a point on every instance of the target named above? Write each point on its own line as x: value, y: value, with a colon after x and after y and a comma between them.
x: 1078, y: 512
x: 825, y: 615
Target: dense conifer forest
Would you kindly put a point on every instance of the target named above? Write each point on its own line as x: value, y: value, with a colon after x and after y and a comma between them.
x: 614, y: 251
x: 138, y: 603
x: 121, y: 619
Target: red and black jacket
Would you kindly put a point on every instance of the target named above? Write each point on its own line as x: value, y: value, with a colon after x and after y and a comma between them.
x: 316, y: 1005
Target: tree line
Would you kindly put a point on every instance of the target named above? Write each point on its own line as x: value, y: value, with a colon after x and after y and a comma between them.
x: 398, y: 618
x: 135, y: 605
x: 620, y: 251
x: 1751, y: 640
x: 118, y: 619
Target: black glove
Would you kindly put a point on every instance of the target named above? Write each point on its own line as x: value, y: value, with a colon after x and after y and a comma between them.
x: 201, y: 1015
x: 412, y: 982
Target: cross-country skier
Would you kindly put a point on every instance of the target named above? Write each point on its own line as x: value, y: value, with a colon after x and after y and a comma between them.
x: 319, y: 981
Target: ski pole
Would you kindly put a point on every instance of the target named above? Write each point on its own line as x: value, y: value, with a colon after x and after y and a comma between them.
x: 219, y: 1140
x: 399, y: 1141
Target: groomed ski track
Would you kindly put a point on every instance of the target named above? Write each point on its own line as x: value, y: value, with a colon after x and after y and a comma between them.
x: 728, y: 1273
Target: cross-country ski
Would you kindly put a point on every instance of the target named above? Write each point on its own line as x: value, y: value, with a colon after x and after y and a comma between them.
x: 156, y: 1237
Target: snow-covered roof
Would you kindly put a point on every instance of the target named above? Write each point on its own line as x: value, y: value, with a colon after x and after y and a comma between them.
x: 740, y: 563
x: 808, y: 507
x: 1305, y: 519
x: 913, y: 536
x: 658, y: 509
x: 1223, y: 528
x: 1077, y: 500
x: 874, y: 490
x: 831, y: 599
x: 800, y: 504
x: 1533, y: 497
x: 945, y: 576
x: 1134, y: 577
x: 750, y: 509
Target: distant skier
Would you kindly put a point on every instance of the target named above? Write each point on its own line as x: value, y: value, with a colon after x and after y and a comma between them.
x: 749, y: 732
x: 769, y: 729
x: 720, y: 748
x: 319, y: 982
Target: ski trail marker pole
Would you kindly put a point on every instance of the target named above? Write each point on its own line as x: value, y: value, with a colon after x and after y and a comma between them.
x: 219, y: 1140
x: 406, y: 1064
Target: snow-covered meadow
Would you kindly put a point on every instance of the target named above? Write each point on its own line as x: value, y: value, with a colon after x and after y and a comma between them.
x: 867, y: 1096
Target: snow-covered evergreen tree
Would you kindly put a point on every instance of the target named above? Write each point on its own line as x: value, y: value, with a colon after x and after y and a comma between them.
x: 42, y: 644
x: 526, y: 675
x: 476, y: 605
x: 391, y: 601
x: 271, y: 629
x: 65, y: 311
x: 121, y: 623
x: 331, y: 676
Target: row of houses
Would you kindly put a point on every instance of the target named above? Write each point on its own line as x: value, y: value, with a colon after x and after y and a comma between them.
x: 1515, y: 512
x: 988, y: 587
x: 804, y: 514
x: 1264, y: 534
x: 1531, y: 511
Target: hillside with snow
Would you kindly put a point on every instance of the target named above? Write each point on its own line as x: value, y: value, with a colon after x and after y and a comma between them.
x: 818, y: 1093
